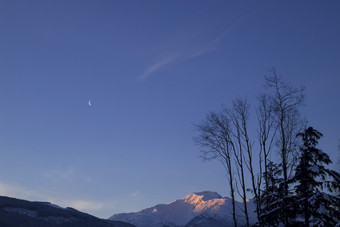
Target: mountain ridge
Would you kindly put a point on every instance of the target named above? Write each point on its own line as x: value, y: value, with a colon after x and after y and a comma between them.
x: 193, y: 208
x: 17, y: 212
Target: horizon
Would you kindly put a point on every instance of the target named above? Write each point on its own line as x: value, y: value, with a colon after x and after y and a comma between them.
x: 99, y: 99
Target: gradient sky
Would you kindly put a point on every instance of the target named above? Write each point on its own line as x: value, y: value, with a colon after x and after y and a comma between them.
x: 152, y: 69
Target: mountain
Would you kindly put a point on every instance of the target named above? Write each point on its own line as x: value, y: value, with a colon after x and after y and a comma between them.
x: 206, y: 208
x: 17, y: 212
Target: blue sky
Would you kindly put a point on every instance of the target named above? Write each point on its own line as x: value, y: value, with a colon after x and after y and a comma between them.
x: 152, y: 69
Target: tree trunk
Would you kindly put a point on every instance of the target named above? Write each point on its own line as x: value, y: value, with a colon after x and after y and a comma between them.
x: 232, y: 191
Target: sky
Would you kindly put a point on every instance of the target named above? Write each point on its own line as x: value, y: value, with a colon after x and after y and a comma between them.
x: 152, y: 69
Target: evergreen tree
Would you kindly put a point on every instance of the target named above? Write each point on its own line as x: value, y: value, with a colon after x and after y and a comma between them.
x: 271, y: 196
x: 277, y: 207
x: 316, y: 205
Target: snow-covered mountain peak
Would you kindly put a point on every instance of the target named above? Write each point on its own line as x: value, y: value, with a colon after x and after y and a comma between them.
x: 181, y: 211
x: 198, y: 197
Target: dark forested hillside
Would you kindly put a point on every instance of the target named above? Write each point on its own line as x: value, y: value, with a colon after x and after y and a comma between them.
x: 16, y: 212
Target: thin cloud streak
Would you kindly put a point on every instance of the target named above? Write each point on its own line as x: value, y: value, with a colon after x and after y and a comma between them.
x: 185, y: 55
x: 213, y: 44
x: 154, y: 67
x: 200, y: 52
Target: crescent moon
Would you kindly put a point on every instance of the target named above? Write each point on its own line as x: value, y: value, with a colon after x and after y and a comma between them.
x: 89, y: 103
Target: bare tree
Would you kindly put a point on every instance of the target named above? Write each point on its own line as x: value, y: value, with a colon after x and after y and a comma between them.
x: 239, y: 116
x: 266, y: 134
x: 226, y: 136
x: 285, y: 101
x: 215, y: 139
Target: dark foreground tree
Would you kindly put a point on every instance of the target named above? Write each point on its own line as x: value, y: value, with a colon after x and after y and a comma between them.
x: 215, y: 138
x: 239, y: 115
x: 285, y: 103
x: 313, y: 179
x: 271, y: 196
x: 224, y: 135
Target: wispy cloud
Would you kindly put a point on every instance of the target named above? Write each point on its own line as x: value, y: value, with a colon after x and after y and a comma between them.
x: 199, y: 52
x: 155, y: 66
x: 212, y: 45
x: 185, y: 52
